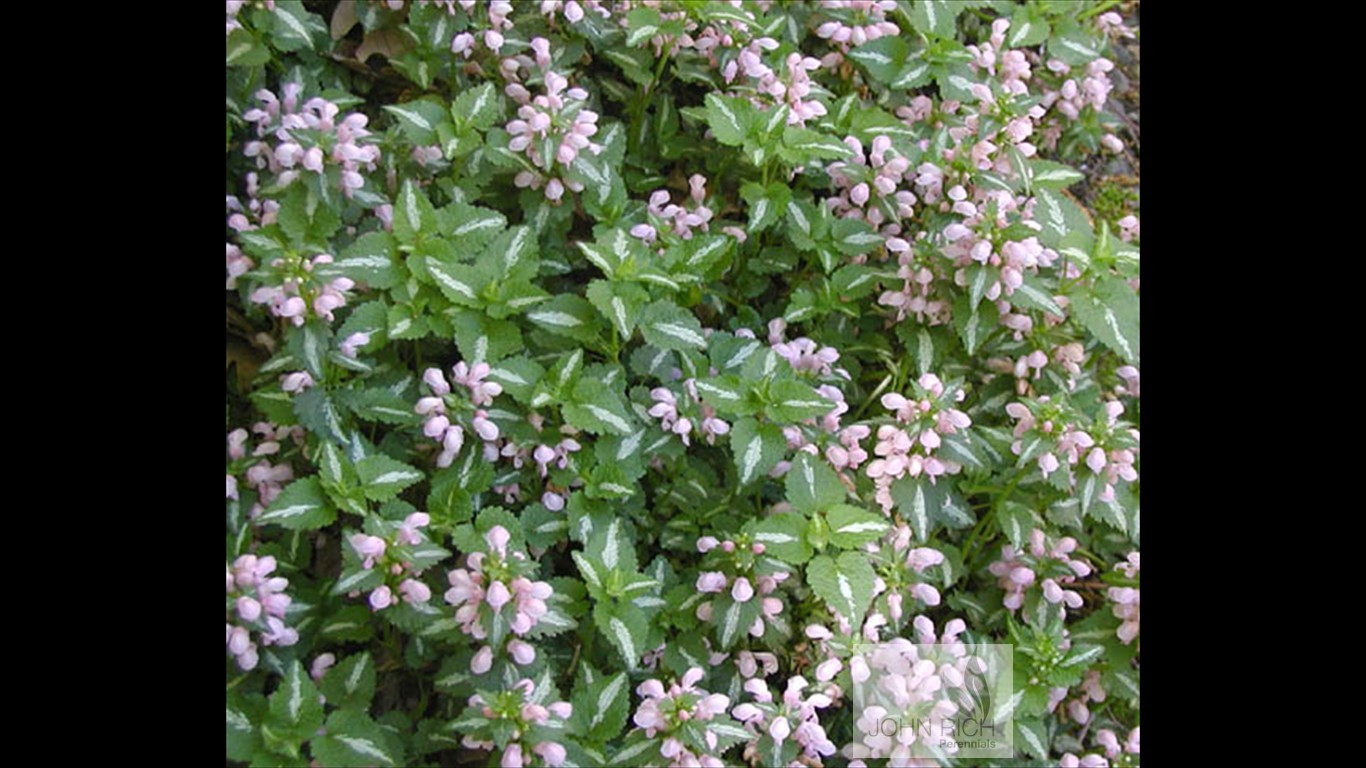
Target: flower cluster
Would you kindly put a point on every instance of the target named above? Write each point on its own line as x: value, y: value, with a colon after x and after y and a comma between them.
x: 493, y: 38
x: 309, y: 139
x: 741, y: 558
x: 1117, y: 753
x: 259, y: 602
x: 266, y: 479
x: 1051, y: 430
x: 669, y: 712
x: 703, y: 418
x: 535, y: 728
x: 299, y: 287
x: 666, y: 216
x: 773, y: 722
x: 907, y: 447
x: 926, y: 681
x: 551, y: 129
x: 495, y: 593
x: 868, y: 188
x: 442, y: 405
x: 1016, y: 572
x: 863, y: 20
x: 792, y: 86
x: 904, y: 575
x: 381, y: 555
x: 1125, y: 600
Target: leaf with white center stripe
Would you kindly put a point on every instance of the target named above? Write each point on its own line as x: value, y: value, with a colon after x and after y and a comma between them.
x: 962, y: 449
x: 918, y: 500
x: 627, y: 629
x: 971, y: 323
x: 756, y: 448
x: 766, y: 204
x: 811, y: 485
x: 668, y: 326
x: 1082, y: 655
x: 592, y: 571
x: 295, y: 28
x: 1073, y: 45
x: 413, y: 213
x: 845, y: 584
x: 369, y: 261
x: 353, y: 740
x: 519, y: 377
x: 791, y: 401
x: 801, y: 145
x: 620, y: 303
x: 1110, y: 311
x: 514, y: 251
x: 384, y: 478
x: 567, y: 315
x: 294, y: 708
x: 302, y: 506
x: 783, y: 537
x: 1032, y: 734
x: 1031, y: 295
x: 470, y: 227
x: 728, y: 394
x: 1061, y: 216
x: 1050, y: 175
x: 598, y: 410
x: 882, y: 57
x: 851, y: 527
x: 729, y: 118
x: 418, y: 119
x: 478, y: 107
x: 351, y: 683
x: 601, y: 706
x: 935, y: 17
x: 853, y: 237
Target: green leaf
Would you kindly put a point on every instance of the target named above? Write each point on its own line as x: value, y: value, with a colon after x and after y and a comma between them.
x: 620, y: 303
x: 668, y: 326
x: 602, y: 706
x: 566, y: 315
x: 1073, y: 45
x: 851, y: 527
x: 598, y: 410
x: 766, y: 204
x: 1060, y: 217
x: 519, y: 376
x: 1046, y: 174
x: 368, y: 261
x: 353, y: 740
x: 294, y: 709
x: 812, y: 485
x: 801, y: 145
x: 756, y: 448
x: 350, y: 684
x: 626, y: 628
x: 295, y: 28
x: 883, y: 57
x: 1031, y: 295
x: 935, y: 17
x: 729, y: 118
x: 641, y: 25
x: 783, y: 537
x: 514, y: 251
x: 470, y: 227
x: 919, y: 502
x: 792, y: 401
x: 972, y: 325
x: 845, y: 584
x: 727, y: 394
x: 384, y: 478
x: 413, y: 213
x: 478, y: 107
x: 1032, y: 735
x: 419, y: 120
x: 1109, y: 310
x: 853, y: 237
x: 302, y: 506
x: 244, y: 50
x: 1027, y: 29
x: 461, y: 283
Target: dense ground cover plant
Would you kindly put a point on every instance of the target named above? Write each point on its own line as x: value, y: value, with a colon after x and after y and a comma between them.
x: 606, y: 370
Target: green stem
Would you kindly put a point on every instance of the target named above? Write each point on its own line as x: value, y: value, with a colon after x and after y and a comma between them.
x: 1104, y: 6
